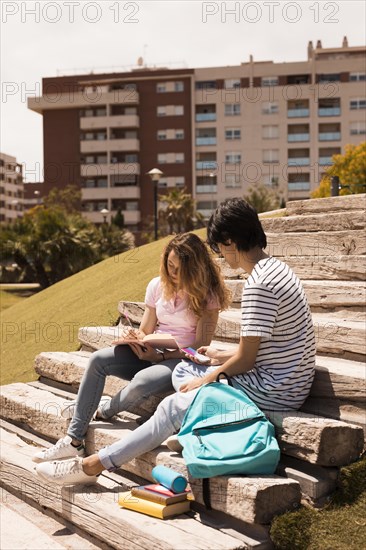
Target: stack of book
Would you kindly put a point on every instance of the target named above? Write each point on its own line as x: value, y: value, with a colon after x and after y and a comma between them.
x: 155, y: 500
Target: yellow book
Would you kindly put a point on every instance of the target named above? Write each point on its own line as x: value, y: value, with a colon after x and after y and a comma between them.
x: 150, y: 508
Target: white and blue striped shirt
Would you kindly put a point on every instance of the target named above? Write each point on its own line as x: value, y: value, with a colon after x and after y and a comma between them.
x: 274, y: 307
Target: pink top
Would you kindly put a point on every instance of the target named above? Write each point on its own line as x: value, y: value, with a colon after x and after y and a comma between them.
x: 173, y: 316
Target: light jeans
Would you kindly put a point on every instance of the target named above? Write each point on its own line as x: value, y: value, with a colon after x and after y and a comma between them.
x: 166, y: 420
x: 146, y: 379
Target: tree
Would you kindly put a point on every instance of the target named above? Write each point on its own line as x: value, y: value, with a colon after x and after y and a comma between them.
x: 52, y: 244
x: 119, y: 219
x: 68, y: 198
x: 262, y: 198
x: 179, y: 215
x: 351, y: 170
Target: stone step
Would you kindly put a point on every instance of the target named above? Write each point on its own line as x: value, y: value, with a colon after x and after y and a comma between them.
x: 324, y: 268
x: 338, y: 390
x: 318, y: 441
x: 254, y: 499
x: 24, y: 526
x: 315, y: 245
x: 326, y: 205
x: 325, y: 294
x: 95, y: 509
x: 334, y: 333
x: 331, y: 221
x: 334, y: 378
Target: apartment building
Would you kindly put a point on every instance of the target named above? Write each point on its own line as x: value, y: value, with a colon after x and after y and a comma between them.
x: 11, y: 188
x: 216, y: 131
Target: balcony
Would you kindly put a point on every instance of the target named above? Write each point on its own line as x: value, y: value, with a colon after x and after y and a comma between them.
x: 206, y: 141
x: 299, y: 161
x: 205, y: 117
x: 130, y: 216
x: 105, y: 193
x: 206, y: 188
x: 80, y: 100
x: 299, y: 186
x: 299, y: 113
x: 117, y: 121
x: 92, y: 170
x: 94, y: 146
x: 298, y: 137
x: 329, y: 111
x: 325, y: 161
x: 206, y: 165
x: 329, y: 136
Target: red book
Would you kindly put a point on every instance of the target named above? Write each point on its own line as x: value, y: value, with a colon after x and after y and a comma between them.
x: 159, y: 493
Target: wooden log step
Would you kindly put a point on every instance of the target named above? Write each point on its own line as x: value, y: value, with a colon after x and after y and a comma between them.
x: 331, y: 221
x: 315, y: 245
x: 326, y: 205
x: 68, y: 368
x: 254, y: 499
x: 95, y: 509
x: 335, y: 378
x: 334, y: 334
x: 24, y: 525
x: 326, y: 294
x: 316, y: 482
x: 41, y: 411
x: 324, y: 268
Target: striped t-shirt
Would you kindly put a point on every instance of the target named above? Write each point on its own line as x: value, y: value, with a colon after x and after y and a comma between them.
x: 274, y: 307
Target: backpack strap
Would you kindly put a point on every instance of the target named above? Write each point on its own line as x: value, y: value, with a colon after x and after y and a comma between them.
x: 226, y: 376
x: 206, y: 494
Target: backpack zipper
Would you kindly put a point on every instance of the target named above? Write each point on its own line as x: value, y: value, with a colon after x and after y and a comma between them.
x: 245, y: 421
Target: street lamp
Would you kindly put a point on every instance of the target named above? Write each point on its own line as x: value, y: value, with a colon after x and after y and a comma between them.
x: 155, y: 175
x: 104, y: 213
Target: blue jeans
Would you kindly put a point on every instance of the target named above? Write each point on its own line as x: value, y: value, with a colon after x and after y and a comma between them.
x: 166, y: 421
x: 146, y: 379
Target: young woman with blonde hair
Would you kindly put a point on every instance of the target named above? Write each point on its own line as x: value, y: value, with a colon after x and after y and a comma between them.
x: 184, y: 302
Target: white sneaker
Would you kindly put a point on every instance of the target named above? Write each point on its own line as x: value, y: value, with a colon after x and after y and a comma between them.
x: 69, y: 411
x: 65, y: 472
x: 61, y: 450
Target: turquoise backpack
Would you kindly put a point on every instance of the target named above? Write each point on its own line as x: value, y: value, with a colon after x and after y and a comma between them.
x: 224, y: 432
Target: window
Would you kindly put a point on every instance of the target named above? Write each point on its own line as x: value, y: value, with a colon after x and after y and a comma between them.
x: 232, y: 133
x: 162, y: 134
x: 358, y: 128
x: 232, y: 158
x: 170, y: 158
x: 334, y: 77
x: 179, y: 86
x: 206, y: 85
x: 132, y: 206
x: 357, y: 104
x: 232, y: 83
x: 161, y: 110
x: 270, y: 156
x: 271, y: 181
x: 161, y: 87
x: 232, y: 109
x: 232, y: 181
x: 178, y: 110
x: 179, y: 157
x: 357, y: 77
x: 269, y: 108
x: 269, y: 81
x: 270, y: 132
x: 179, y: 134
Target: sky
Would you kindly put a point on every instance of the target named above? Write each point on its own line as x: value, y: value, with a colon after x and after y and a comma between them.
x: 49, y: 38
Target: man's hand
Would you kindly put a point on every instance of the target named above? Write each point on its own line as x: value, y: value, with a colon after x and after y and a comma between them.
x: 192, y: 385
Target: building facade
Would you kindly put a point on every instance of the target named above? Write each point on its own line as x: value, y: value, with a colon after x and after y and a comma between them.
x: 11, y: 188
x: 216, y: 131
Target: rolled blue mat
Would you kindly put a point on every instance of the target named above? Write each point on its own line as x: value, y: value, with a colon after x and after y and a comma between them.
x: 169, y: 478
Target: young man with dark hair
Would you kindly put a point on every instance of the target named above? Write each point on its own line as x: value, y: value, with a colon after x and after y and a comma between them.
x: 273, y: 364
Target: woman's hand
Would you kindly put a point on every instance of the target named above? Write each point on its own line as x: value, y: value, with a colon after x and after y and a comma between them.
x: 210, y: 352
x: 146, y: 353
x: 192, y: 385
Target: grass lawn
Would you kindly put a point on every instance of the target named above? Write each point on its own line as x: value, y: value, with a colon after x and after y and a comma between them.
x: 8, y: 299
x: 50, y: 319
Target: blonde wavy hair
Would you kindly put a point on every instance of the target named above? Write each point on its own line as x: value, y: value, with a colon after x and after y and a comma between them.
x: 199, y: 276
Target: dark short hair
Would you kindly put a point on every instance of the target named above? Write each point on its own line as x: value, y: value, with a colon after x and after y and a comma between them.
x: 235, y: 220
